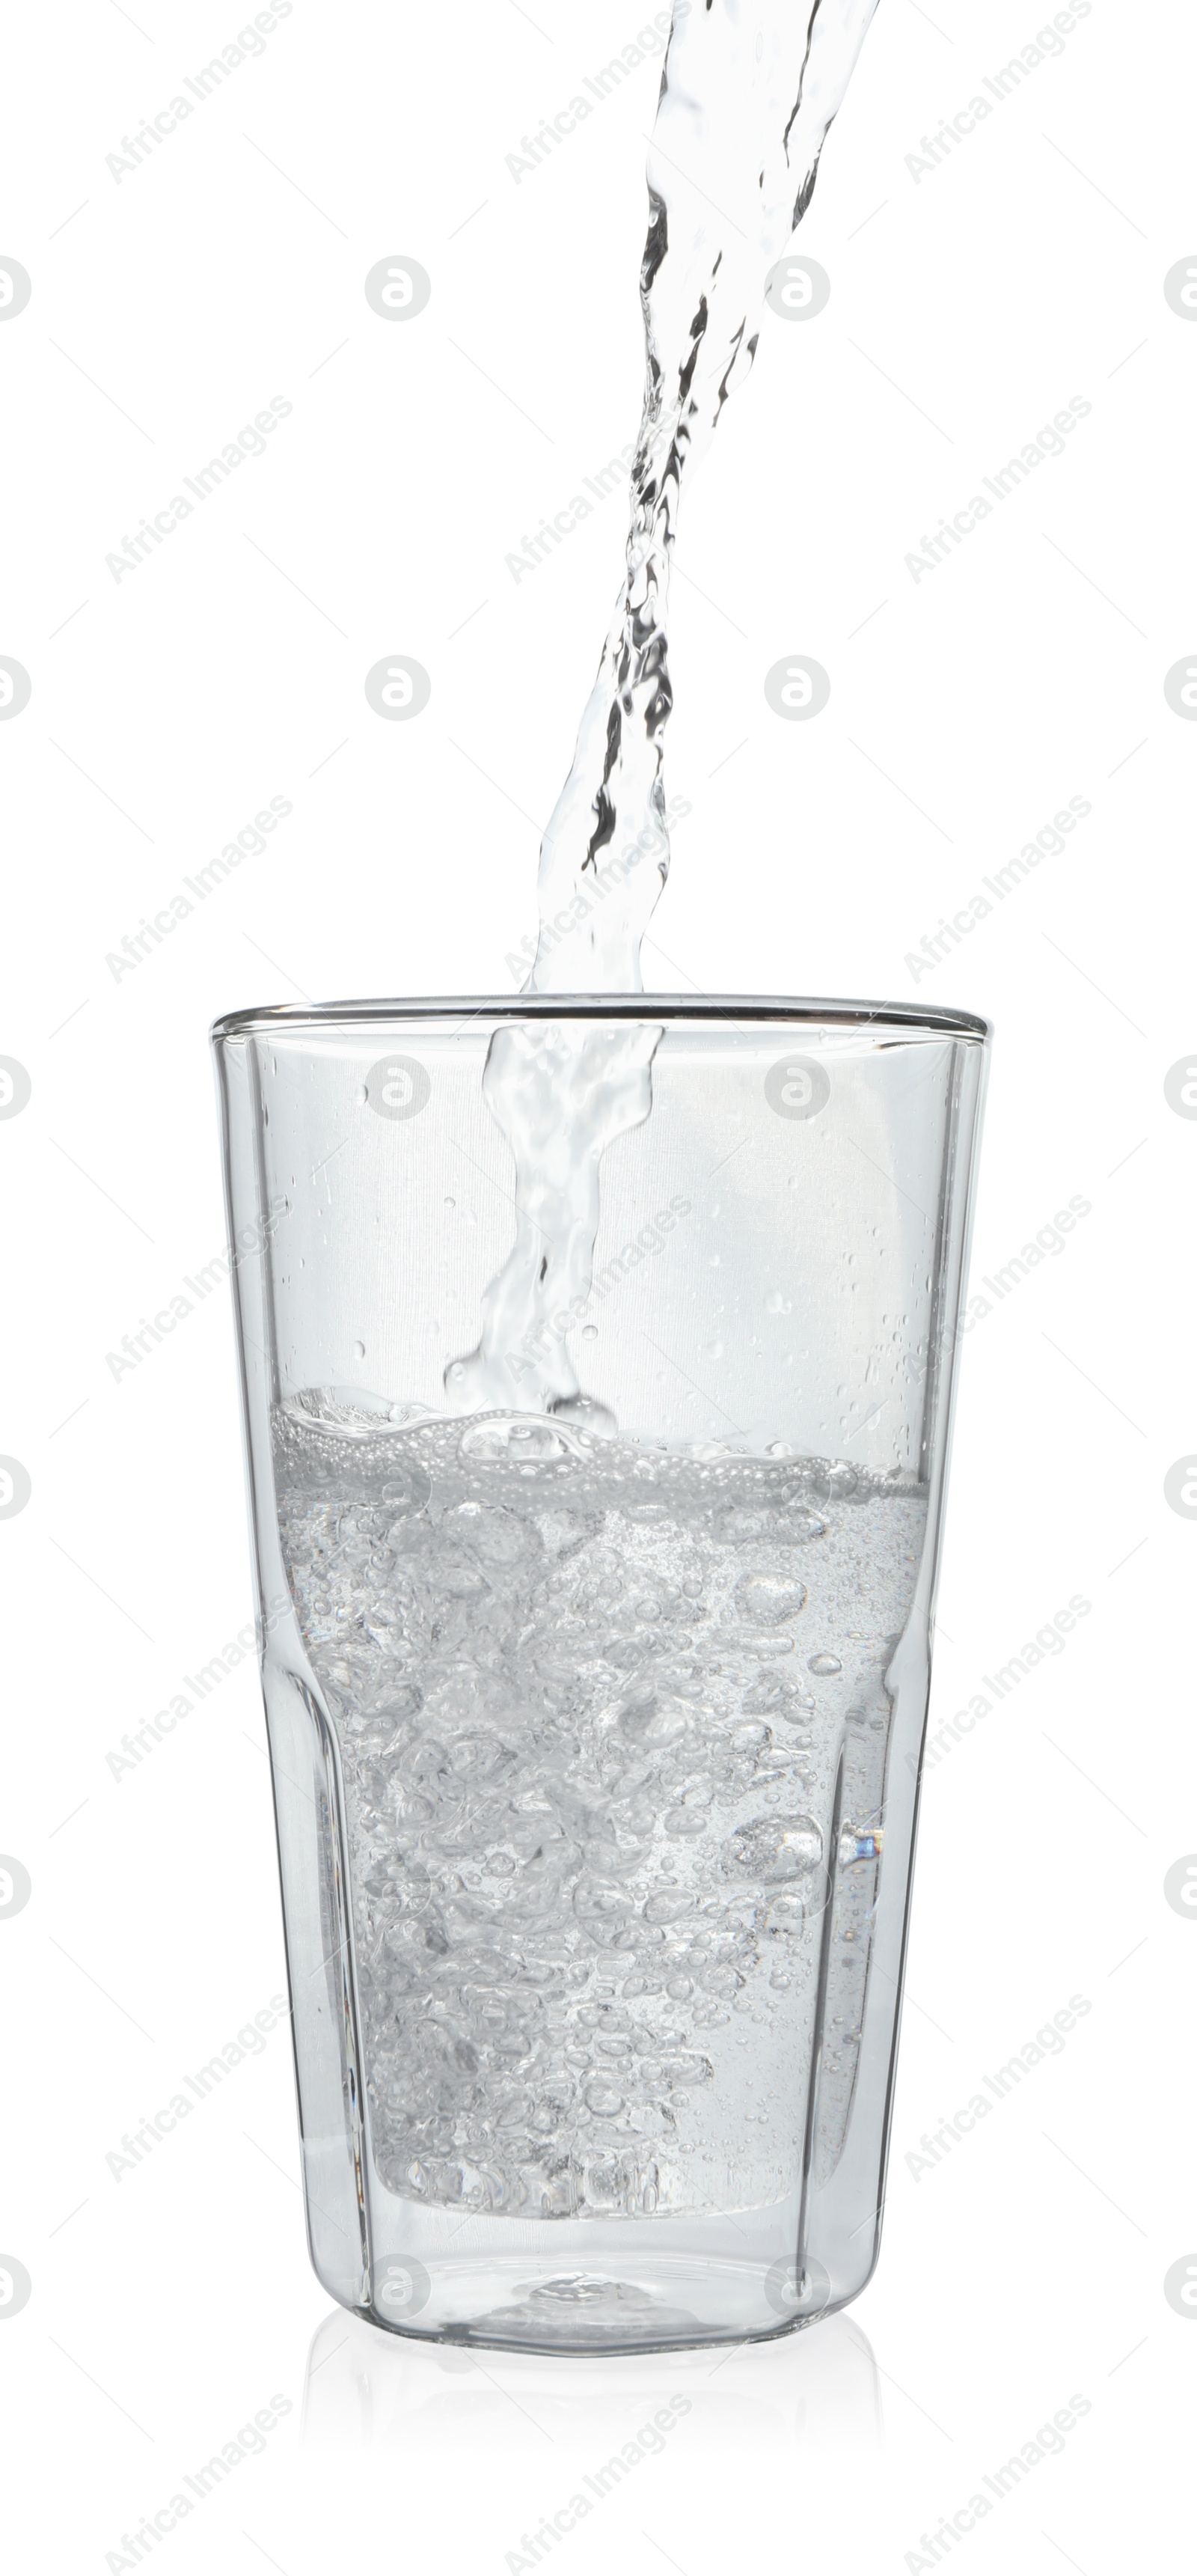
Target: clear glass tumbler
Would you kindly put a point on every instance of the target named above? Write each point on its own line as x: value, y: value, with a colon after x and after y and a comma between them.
x: 595, y: 1757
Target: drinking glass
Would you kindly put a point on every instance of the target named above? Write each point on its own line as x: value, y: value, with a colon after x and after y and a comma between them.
x: 595, y: 1736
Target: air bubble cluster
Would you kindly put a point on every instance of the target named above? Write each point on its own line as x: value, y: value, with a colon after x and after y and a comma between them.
x: 589, y: 1791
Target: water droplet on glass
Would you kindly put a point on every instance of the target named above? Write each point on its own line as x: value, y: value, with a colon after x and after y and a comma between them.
x: 823, y: 1664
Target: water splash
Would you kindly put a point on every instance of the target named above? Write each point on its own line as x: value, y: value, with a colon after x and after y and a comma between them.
x: 749, y: 89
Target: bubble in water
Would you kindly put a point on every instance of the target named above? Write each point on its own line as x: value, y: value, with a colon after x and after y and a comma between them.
x: 774, y: 1848
x: 735, y: 1525
x: 601, y: 1908
x: 766, y: 1599
x: 585, y: 1413
x: 771, y: 1695
x: 749, y: 1738
x: 797, y: 1526
x: 823, y: 1664
x: 653, y: 1721
x: 407, y: 1487
x: 668, y: 1906
x: 787, y: 1912
x: 603, y: 2100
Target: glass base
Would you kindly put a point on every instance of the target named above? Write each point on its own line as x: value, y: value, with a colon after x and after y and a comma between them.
x: 656, y: 2308
x: 589, y: 2287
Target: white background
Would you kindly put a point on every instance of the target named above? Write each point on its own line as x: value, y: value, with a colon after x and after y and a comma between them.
x: 968, y: 305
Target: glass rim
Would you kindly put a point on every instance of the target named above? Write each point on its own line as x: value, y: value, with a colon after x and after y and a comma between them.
x: 906, y: 1020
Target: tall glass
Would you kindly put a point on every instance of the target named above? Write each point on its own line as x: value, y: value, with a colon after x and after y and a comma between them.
x: 595, y: 1757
